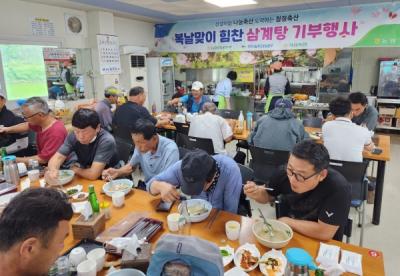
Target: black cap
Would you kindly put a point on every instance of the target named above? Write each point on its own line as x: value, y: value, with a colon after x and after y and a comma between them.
x: 196, y: 165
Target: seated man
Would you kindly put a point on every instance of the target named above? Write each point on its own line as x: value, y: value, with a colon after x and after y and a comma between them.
x: 154, y: 153
x: 344, y: 139
x: 50, y: 132
x: 94, y: 147
x: 214, y: 178
x: 32, y: 234
x: 103, y: 108
x: 363, y: 114
x: 14, y: 143
x: 278, y: 129
x: 194, y: 102
x: 214, y: 127
x: 317, y: 198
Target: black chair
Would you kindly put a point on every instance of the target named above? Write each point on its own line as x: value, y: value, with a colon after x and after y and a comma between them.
x: 266, y: 162
x: 190, y: 142
x: 312, y: 122
x: 244, y: 204
x: 228, y: 113
x: 354, y: 172
x: 182, y: 128
x: 124, y: 149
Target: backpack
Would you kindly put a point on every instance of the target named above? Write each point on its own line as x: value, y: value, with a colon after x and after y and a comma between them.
x: 203, y: 257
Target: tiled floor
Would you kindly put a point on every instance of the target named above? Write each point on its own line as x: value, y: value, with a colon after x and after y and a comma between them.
x: 384, y: 237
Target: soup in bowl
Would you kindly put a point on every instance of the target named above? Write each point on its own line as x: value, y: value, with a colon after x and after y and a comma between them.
x: 282, y: 234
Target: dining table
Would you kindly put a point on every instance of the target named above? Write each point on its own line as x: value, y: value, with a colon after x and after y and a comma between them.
x: 212, y: 228
x: 382, y: 142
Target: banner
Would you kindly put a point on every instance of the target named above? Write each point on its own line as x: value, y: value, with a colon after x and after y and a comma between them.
x: 351, y: 26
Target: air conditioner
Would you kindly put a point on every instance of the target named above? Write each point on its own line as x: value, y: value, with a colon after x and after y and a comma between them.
x: 134, y: 72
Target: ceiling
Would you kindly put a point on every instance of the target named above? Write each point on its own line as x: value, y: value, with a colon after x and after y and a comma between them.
x: 160, y: 11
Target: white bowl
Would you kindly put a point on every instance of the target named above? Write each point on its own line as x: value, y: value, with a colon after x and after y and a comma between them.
x: 198, y: 218
x: 97, y: 255
x: 277, y: 225
x: 127, y: 272
x: 227, y: 259
x: 238, y: 255
x: 107, y: 187
x: 62, y: 180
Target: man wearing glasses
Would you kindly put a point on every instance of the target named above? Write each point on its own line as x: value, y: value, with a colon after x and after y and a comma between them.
x: 317, y: 199
x: 50, y: 132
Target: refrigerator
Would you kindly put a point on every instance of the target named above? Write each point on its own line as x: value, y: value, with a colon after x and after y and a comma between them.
x: 161, y: 81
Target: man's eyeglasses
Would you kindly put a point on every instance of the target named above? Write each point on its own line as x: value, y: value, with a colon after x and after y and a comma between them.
x: 28, y: 117
x: 299, y: 177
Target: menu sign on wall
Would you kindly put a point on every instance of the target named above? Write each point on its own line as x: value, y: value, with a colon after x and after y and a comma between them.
x: 42, y: 27
x: 109, y: 58
x: 352, y: 26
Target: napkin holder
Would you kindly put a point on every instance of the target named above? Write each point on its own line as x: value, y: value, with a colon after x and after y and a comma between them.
x: 89, y: 229
x: 141, y: 261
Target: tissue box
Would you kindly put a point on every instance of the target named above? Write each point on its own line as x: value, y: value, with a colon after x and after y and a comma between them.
x: 89, y: 229
x: 387, y: 111
x: 141, y: 261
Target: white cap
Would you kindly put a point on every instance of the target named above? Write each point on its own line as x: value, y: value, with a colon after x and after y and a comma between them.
x: 197, y: 85
x: 2, y: 95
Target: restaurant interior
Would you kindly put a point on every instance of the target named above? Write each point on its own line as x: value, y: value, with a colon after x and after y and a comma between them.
x: 72, y: 53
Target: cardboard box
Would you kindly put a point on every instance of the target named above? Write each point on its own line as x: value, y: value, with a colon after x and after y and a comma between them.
x: 398, y: 122
x: 385, y: 120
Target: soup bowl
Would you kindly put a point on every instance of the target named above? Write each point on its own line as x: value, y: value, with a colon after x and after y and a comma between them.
x: 282, y: 234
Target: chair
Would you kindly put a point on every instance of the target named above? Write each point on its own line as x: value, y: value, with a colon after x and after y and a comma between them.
x: 124, y: 149
x: 190, y: 142
x: 312, y: 122
x: 182, y: 128
x: 354, y: 172
x: 244, y: 144
x: 228, y: 113
x: 244, y: 204
x: 265, y: 162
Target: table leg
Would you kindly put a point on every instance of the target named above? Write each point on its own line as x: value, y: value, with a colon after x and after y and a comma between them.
x: 380, y: 178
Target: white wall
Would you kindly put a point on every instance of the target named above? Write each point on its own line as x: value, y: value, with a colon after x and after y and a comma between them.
x: 15, y: 24
x: 366, y: 66
x: 133, y: 32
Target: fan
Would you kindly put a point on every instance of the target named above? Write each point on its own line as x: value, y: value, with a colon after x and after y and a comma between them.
x: 74, y: 24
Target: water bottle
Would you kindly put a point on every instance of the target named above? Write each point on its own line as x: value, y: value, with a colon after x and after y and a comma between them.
x: 241, y: 121
x: 249, y: 120
x: 184, y: 221
x: 10, y: 169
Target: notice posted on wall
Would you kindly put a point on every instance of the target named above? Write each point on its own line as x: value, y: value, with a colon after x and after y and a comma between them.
x: 42, y: 27
x: 109, y: 58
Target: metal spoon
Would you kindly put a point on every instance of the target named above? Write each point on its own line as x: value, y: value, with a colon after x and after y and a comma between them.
x: 268, y: 226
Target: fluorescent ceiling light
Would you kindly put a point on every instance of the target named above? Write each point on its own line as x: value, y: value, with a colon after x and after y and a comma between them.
x: 231, y: 3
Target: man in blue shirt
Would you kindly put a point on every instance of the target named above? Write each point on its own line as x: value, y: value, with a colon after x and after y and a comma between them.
x: 154, y: 153
x: 194, y: 102
x: 216, y: 179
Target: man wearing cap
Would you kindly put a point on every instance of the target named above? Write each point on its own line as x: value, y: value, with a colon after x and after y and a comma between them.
x: 15, y: 143
x: 103, y: 108
x: 194, y: 102
x: 279, y: 129
x: 276, y: 85
x: 216, y: 179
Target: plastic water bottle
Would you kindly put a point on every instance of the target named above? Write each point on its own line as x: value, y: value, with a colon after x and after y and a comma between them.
x: 241, y: 120
x: 11, y: 174
x: 249, y: 120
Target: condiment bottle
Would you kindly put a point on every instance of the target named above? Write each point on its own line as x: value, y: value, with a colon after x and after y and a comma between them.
x: 93, y: 199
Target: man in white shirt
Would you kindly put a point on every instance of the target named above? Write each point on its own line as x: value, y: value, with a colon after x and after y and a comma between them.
x: 344, y: 139
x: 214, y: 127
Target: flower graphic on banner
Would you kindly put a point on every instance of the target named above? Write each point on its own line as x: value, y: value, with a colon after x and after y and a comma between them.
x: 276, y: 53
x: 182, y: 59
x: 204, y: 56
x: 247, y: 58
x: 311, y: 52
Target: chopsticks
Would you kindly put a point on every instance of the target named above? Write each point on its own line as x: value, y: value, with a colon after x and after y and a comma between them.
x: 210, y: 223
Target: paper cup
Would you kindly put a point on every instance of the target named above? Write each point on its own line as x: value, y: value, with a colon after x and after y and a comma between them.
x: 118, y: 199
x: 77, y: 255
x: 173, y: 222
x: 33, y: 175
x: 99, y: 256
x: 232, y: 229
x: 87, y: 268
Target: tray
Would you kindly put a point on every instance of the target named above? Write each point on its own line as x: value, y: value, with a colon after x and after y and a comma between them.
x: 87, y: 244
x: 145, y: 228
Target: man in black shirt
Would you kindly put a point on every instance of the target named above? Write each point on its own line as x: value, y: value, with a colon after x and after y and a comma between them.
x: 317, y: 198
x: 15, y: 143
x: 126, y: 115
